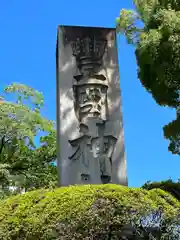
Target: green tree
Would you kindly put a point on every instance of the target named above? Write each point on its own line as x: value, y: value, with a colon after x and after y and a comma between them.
x: 154, y: 29
x: 22, y: 164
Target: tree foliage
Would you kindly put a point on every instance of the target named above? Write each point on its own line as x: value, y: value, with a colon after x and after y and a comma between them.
x: 157, y: 49
x: 22, y: 164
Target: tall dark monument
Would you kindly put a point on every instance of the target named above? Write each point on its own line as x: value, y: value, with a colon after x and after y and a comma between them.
x: 89, y: 117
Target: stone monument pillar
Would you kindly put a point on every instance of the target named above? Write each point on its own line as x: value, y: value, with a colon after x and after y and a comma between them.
x: 90, y: 138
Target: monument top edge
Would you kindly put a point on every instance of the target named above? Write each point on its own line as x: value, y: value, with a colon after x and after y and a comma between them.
x: 87, y: 27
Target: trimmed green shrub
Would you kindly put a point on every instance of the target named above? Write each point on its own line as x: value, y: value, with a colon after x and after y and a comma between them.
x: 85, y: 212
x: 167, y: 185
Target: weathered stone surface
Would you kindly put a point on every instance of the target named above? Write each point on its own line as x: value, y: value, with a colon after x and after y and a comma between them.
x: 89, y: 117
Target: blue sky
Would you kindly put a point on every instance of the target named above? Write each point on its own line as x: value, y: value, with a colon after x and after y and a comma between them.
x: 27, y: 55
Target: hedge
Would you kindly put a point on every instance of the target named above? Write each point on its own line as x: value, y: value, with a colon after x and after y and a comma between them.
x: 84, y: 212
x: 167, y: 185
